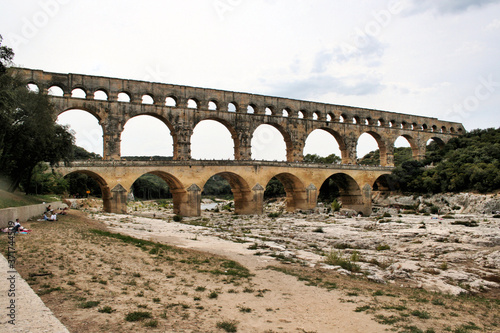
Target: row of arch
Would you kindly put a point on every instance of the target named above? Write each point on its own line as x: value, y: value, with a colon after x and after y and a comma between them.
x: 261, y: 137
x: 213, y: 104
x: 248, y: 198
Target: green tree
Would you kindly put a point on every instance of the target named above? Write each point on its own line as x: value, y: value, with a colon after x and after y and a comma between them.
x: 29, y: 134
x: 466, y: 163
x: 314, y: 158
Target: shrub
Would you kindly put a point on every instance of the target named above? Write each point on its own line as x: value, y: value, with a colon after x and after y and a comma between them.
x: 151, y: 323
x: 382, y: 247
x: 336, y: 206
x: 228, y: 326
x: 106, y: 309
x: 177, y: 218
x: 421, y: 314
x: 89, y: 304
x: 319, y: 229
x: 137, y: 316
x: 336, y: 259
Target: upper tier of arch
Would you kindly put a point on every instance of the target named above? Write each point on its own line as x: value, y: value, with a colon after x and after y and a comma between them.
x: 113, y: 101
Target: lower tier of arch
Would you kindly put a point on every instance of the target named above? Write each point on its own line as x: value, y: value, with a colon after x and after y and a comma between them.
x: 302, y: 183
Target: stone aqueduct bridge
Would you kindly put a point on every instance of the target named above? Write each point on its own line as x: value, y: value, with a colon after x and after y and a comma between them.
x: 181, y: 108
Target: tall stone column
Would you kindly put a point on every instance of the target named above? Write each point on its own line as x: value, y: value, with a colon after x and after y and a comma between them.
x: 349, y: 154
x: 243, y: 146
x: 182, y: 146
x: 421, y: 148
x: 387, y: 155
x: 118, y: 202
x: 312, y: 196
x: 258, y: 198
x: 112, y: 138
x: 295, y: 148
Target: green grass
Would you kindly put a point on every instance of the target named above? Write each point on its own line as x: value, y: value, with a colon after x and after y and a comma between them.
x: 19, y: 199
x: 89, y: 304
x: 421, y: 314
x: 135, y: 241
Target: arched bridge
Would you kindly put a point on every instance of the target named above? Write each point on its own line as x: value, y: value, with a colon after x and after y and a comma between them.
x: 181, y: 108
x: 247, y: 179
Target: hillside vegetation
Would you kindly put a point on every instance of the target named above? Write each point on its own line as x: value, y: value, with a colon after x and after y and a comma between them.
x: 467, y: 163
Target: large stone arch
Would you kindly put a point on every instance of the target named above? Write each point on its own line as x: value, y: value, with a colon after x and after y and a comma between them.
x: 159, y: 117
x: 287, y: 137
x: 385, y: 150
x: 352, y: 195
x: 184, y: 204
x: 110, y: 203
x: 384, y: 184
x: 415, y: 149
x: 297, y: 195
x: 244, y: 202
x: 230, y: 127
x: 338, y: 138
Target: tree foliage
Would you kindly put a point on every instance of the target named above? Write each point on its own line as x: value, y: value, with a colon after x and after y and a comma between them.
x: 217, y: 186
x: 467, y: 163
x: 149, y: 187
x: 274, y: 189
x: 28, y: 132
x: 330, y: 159
x: 401, y: 154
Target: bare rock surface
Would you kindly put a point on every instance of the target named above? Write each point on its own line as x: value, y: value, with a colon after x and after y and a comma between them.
x: 456, y: 253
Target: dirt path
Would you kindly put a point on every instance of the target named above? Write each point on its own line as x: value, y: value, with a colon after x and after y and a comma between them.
x: 301, y: 307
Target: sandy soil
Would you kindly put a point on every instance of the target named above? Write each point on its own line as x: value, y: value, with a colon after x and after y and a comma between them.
x: 95, y: 279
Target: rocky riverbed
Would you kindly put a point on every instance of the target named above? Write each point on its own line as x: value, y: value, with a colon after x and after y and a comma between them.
x: 445, y: 243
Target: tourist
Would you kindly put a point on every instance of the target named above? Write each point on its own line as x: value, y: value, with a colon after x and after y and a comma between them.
x: 17, y: 226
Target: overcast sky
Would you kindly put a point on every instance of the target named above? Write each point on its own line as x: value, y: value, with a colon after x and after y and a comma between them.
x: 435, y: 58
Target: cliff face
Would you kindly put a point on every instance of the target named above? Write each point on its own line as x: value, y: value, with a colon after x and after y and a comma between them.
x: 462, y: 203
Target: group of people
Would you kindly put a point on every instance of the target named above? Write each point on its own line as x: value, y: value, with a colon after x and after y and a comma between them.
x: 51, y: 214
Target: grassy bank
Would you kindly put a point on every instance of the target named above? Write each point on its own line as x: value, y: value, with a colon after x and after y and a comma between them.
x: 18, y: 199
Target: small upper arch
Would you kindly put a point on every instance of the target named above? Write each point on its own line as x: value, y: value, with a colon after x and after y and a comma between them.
x: 213, y: 105
x: 171, y: 101
x: 55, y: 90
x: 101, y: 95
x: 147, y: 99
x: 192, y: 103
x: 78, y: 93
x: 232, y: 107
x: 33, y: 87
x: 124, y: 97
